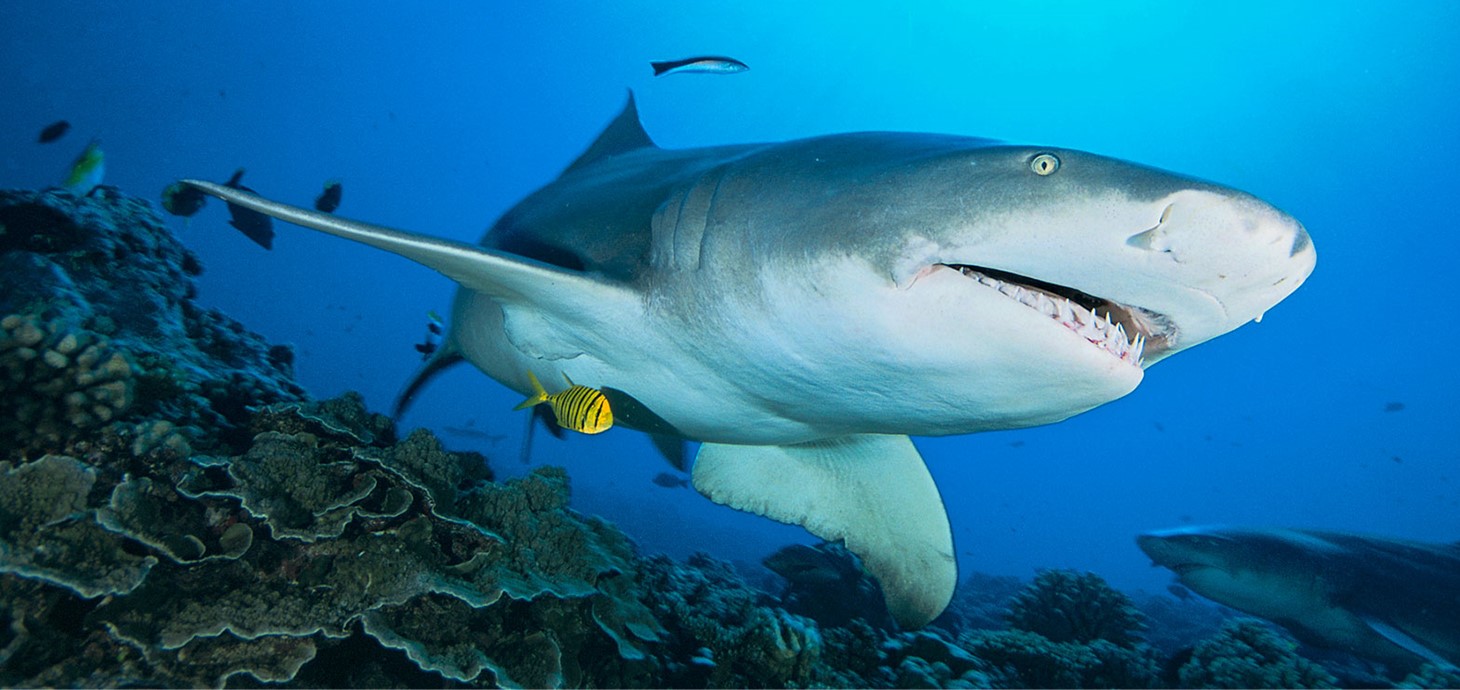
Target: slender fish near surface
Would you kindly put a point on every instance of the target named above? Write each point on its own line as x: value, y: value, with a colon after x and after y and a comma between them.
x: 710, y: 64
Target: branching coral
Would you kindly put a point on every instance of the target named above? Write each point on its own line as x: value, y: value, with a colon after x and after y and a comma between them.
x: 1028, y: 659
x: 1066, y: 606
x: 1432, y: 676
x: 705, y: 605
x: 1249, y: 654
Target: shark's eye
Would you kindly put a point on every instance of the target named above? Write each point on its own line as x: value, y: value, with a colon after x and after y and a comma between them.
x: 1044, y: 164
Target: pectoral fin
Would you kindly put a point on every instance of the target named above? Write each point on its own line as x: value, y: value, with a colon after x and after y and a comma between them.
x: 1406, y: 642
x: 871, y: 491
x: 506, y: 278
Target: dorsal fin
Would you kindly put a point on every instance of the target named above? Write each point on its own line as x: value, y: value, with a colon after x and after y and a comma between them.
x: 624, y: 134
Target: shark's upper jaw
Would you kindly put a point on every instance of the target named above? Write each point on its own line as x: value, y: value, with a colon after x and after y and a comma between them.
x: 1124, y: 331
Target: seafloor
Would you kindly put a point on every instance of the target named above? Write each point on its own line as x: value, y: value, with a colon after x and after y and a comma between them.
x: 176, y: 511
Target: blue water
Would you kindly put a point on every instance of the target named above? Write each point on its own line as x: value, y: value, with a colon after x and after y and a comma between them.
x: 439, y: 117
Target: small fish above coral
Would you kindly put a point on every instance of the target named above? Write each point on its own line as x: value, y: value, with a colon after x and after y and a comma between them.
x: 254, y: 225
x: 54, y: 131
x: 670, y: 481
x: 182, y: 200
x: 329, y: 199
x: 429, y: 345
x: 87, y: 170
x: 579, y: 408
x: 709, y: 64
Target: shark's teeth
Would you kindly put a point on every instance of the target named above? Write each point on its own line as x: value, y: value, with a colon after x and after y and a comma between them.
x: 1090, y: 325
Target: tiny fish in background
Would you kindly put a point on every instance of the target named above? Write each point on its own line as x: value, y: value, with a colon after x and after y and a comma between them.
x: 670, y: 481
x: 182, y: 200
x: 54, y: 131
x: 710, y: 64
x: 579, y: 408
x: 1393, y: 407
x: 87, y: 171
x: 427, y: 347
x: 329, y: 199
x: 254, y: 225
x: 477, y: 434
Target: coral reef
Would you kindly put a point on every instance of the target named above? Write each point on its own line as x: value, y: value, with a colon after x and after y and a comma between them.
x: 1248, y: 653
x: 1431, y: 676
x: 711, y: 614
x: 1068, y: 629
x: 175, y: 512
x: 980, y: 603
x: 1174, y: 624
x: 98, y: 324
x: 1030, y: 660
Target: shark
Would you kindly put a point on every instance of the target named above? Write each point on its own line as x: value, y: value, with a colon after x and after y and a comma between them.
x: 801, y: 308
x: 1391, y: 600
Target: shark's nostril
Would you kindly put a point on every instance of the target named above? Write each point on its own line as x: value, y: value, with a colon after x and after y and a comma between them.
x: 1153, y: 239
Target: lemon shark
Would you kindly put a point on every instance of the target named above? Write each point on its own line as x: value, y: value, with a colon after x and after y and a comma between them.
x: 1387, y: 599
x: 801, y: 308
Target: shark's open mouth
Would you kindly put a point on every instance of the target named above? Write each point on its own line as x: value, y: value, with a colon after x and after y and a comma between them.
x: 1124, y: 331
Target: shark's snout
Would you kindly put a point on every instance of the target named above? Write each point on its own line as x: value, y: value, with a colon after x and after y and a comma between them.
x: 1236, y: 255
x: 1200, y: 225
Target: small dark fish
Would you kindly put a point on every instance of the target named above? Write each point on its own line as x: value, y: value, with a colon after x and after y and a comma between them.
x: 1397, y: 460
x: 254, y: 225
x: 671, y: 481
x: 329, y: 199
x: 478, y: 434
x: 804, y: 564
x: 428, y: 346
x: 1393, y: 407
x: 54, y: 131
x: 87, y: 171
x: 182, y: 200
x: 712, y: 64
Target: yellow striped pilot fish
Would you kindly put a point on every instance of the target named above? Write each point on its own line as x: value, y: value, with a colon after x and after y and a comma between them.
x: 579, y: 408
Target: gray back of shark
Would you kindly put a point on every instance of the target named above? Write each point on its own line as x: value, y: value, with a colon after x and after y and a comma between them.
x: 802, y: 307
x: 1391, y: 600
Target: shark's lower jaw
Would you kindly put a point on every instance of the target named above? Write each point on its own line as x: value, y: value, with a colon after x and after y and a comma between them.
x: 1126, y: 332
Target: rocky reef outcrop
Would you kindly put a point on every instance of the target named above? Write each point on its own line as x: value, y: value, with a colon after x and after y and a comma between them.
x: 175, y: 511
